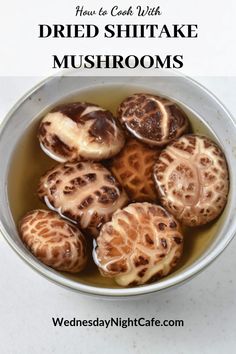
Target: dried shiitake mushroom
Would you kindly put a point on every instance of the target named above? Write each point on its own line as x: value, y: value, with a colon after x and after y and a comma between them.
x: 85, y: 192
x: 192, y: 179
x: 152, y: 119
x: 54, y: 241
x: 133, y: 167
x: 141, y: 244
x: 80, y: 131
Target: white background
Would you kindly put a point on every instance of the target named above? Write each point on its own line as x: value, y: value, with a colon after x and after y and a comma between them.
x: 207, y: 303
x: 23, y: 53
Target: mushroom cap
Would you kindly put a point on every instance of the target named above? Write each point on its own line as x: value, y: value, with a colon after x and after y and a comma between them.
x: 152, y: 119
x: 141, y: 244
x: 80, y: 131
x: 192, y: 180
x: 54, y: 241
x: 133, y: 167
x: 84, y: 192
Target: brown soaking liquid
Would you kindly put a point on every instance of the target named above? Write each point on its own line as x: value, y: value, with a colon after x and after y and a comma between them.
x: 29, y: 163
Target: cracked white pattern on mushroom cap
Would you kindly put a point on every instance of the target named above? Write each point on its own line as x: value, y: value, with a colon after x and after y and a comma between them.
x: 54, y: 241
x: 84, y: 192
x: 192, y: 179
x: 141, y: 243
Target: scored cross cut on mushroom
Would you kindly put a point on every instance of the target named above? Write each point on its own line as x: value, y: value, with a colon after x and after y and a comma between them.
x: 141, y: 244
x: 80, y: 131
x: 192, y: 180
x: 84, y: 192
x: 152, y: 119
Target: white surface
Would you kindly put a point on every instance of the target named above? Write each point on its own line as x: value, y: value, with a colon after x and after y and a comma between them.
x: 207, y: 304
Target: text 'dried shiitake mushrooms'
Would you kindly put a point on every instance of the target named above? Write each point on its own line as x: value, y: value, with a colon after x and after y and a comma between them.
x: 141, y: 244
x: 80, y: 131
x: 54, y: 241
x: 192, y: 179
x: 85, y: 192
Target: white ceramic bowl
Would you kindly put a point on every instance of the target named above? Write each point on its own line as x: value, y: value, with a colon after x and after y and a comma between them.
x: 182, y: 89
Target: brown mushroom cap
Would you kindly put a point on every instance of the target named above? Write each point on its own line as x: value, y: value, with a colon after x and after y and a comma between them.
x: 152, y: 119
x: 80, y: 131
x: 141, y: 244
x: 133, y: 167
x: 85, y: 192
x: 192, y: 179
x: 54, y: 241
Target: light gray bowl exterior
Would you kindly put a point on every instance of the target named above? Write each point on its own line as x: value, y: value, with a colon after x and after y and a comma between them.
x: 182, y: 89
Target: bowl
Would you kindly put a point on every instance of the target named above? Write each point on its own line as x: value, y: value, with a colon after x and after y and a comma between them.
x: 183, y: 90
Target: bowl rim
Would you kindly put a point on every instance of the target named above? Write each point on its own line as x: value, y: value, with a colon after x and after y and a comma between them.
x: 60, y: 279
